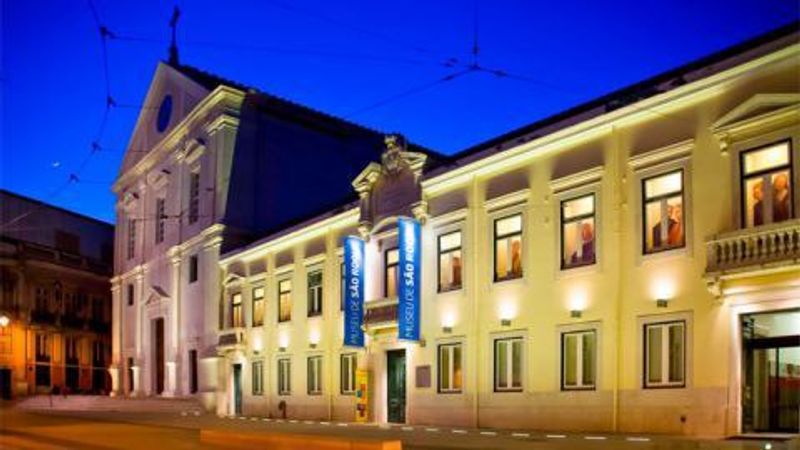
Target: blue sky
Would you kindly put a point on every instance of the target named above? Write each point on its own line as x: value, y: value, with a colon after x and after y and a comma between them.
x: 339, y: 57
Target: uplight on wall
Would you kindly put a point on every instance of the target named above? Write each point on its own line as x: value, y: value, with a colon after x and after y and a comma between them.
x: 576, y: 313
x: 313, y: 338
x: 662, y: 302
x: 283, y: 341
x: 258, y: 343
x: 448, y: 321
x: 507, y: 311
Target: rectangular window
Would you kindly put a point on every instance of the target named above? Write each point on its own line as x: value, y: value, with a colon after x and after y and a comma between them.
x: 130, y: 295
x: 285, y: 300
x: 663, y: 212
x: 258, y: 306
x: 390, y: 273
x: 284, y: 376
x: 767, y: 185
x: 131, y: 250
x: 449, y: 364
x: 194, y: 197
x: 314, y: 375
x: 347, y: 376
x: 258, y: 378
x: 315, y: 293
x: 578, y: 232
x: 450, y: 261
x: 193, y: 371
x: 578, y: 360
x: 42, y: 348
x: 508, y: 360
x: 193, y: 268
x: 665, y: 354
x: 161, y: 218
x: 508, y: 248
x: 237, y: 312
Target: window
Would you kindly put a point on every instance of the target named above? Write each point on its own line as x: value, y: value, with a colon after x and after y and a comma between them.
x: 663, y: 212
x: 284, y: 376
x: 390, y: 274
x: 449, y: 261
x: 193, y: 268
x: 193, y: 371
x: 194, y: 197
x: 285, y: 300
x: 42, y: 300
x: 314, y: 375
x: 161, y: 218
x: 767, y: 185
x: 71, y: 350
x: 664, y: 354
x: 42, y: 348
x: 315, y: 293
x: 347, y: 377
x: 508, y: 248
x: 578, y: 232
x: 508, y: 364
x: 131, y: 238
x: 258, y: 306
x: 578, y: 360
x: 130, y: 295
x: 450, y: 377
x: 237, y: 313
x: 258, y: 378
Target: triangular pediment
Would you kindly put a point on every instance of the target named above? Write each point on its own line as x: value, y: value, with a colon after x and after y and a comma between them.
x: 170, y: 97
x: 157, y: 294
x: 757, y: 105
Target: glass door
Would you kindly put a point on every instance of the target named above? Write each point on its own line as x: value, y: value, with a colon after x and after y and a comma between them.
x: 771, y: 372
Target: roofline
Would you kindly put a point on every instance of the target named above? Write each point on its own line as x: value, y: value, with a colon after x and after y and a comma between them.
x: 625, y: 96
x: 55, y: 207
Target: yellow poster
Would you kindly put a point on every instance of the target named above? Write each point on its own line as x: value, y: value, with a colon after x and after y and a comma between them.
x: 362, y: 397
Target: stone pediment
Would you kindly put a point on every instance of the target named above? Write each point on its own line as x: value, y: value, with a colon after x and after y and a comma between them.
x: 391, y: 188
x: 759, y: 114
x: 157, y: 294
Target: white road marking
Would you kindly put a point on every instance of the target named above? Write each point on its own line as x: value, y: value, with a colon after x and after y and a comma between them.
x: 308, y: 422
x: 254, y: 419
x: 521, y: 435
x: 279, y: 421
x: 460, y: 431
x: 242, y: 418
x: 595, y: 438
x: 432, y: 430
x: 488, y: 433
x: 638, y: 439
x: 324, y: 423
x: 341, y: 424
x: 266, y: 420
x: 556, y: 436
x: 408, y: 428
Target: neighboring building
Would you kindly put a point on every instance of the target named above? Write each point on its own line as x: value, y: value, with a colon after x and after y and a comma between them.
x: 55, y: 302
x: 211, y: 166
x: 632, y: 264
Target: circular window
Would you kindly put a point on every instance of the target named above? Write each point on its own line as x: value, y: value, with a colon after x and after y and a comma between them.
x: 164, y: 113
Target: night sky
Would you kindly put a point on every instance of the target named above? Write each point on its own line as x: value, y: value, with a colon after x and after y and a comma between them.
x: 340, y: 57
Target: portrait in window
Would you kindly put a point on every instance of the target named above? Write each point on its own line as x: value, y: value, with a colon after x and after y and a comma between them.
x: 578, y: 232
x: 664, y: 221
x: 450, y: 261
x: 767, y: 185
x: 508, y: 247
x: 285, y: 300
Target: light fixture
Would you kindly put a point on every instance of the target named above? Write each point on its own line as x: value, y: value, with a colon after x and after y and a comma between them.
x: 4, y: 321
x: 576, y: 313
x: 447, y: 330
x: 313, y: 345
x: 281, y: 349
x: 505, y: 322
x: 662, y: 302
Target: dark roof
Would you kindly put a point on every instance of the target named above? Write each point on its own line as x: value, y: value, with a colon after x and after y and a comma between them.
x: 41, y: 204
x: 664, y: 82
x: 295, y: 111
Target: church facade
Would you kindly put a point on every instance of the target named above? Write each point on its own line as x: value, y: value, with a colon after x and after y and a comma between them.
x: 629, y: 265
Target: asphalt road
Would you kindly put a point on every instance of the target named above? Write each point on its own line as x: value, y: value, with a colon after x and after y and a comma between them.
x: 129, y: 430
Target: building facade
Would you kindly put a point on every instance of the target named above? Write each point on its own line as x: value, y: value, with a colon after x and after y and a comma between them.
x: 629, y: 265
x: 55, y: 305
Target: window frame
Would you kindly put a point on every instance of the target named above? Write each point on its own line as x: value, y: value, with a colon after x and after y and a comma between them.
x: 131, y: 294
x: 580, y: 386
x: 743, y: 179
x: 161, y: 216
x: 257, y: 375
x: 194, y: 196
x: 508, y: 340
x: 663, y: 198
x: 386, y: 267
x: 234, y: 307
x: 439, y: 255
x: 564, y: 222
x: 496, y: 238
x: 314, y: 367
x: 284, y: 374
x: 450, y: 346
x: 318, y: 290
x: 131, y: 244
x: 194, y: 268
x: 258, y: 299
x: 352, y: 365
x: 281, y: 283
x: 665, y: 357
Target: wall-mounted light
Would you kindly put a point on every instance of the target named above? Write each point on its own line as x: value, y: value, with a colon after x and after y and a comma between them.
x: 447, y: 330
x: 508, y: 310
x: 281, y: 349
x: 313, y: 338
x: 4, y: 321
x: 662, y: 302
x: 283, y: 342
x: 576, y: 313
x: 312, y: 345
x: 505, y: 322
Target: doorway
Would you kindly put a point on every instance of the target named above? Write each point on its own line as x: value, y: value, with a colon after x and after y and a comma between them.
x: 771, y: 372
x: 158, y: 345
x: 5, y: 383
x: 396, y: 385
x: 237, y: 389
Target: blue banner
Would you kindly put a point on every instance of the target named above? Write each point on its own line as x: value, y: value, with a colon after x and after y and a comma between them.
x: 354, y: 291
x: 408, y: 293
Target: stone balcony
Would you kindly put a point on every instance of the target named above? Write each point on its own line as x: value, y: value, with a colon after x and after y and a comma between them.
x: 231, y: 339
x: 380, y: 313
x: 767, y: 247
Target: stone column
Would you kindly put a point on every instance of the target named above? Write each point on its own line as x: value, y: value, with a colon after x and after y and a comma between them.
x: 136, y: 382
x: 174, y: 384
x: 116, y: 339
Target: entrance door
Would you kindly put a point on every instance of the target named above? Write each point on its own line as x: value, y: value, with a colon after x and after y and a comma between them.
x: 158, y: 343
x: 5, y: 384
x: 237, y: 389
x: 396, y: 385
x: 771, y: 372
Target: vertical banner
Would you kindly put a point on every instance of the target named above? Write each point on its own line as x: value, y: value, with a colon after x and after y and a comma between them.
x: 362, y: 395
x: 408, y: 293
x: 354, y: 291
